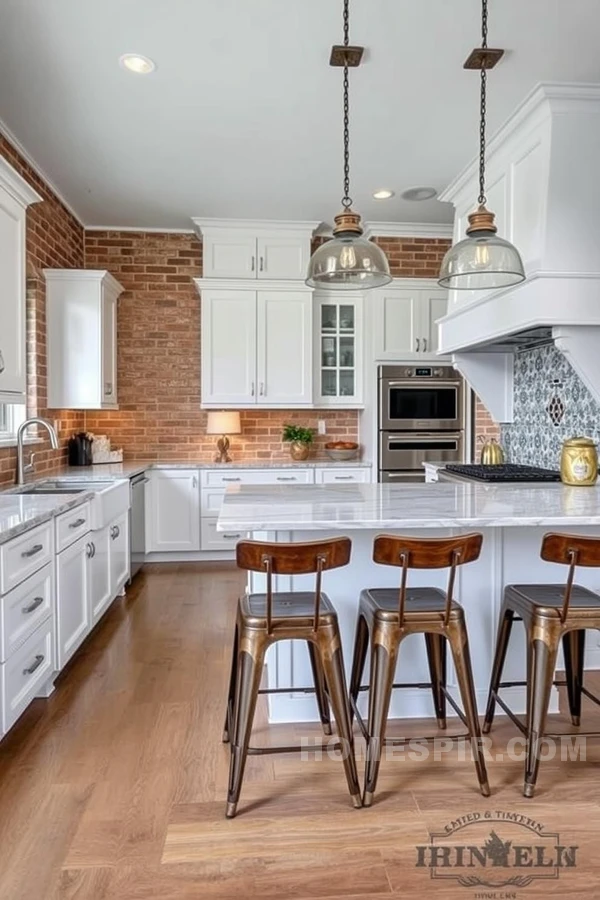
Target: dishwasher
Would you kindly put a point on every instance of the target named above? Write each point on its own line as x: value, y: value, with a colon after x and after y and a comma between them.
x: 137, y: 523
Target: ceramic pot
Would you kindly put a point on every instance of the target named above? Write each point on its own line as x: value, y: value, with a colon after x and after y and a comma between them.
x: 299, y: 451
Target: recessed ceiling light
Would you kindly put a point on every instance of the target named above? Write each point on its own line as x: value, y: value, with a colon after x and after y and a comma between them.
x: 383, y: 194
x: 419, y: 193
x: 141, y: 65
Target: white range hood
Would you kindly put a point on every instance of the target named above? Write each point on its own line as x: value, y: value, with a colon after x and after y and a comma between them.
x: 544, y: 186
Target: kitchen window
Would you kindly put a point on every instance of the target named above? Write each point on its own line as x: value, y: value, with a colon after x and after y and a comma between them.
x: 11, y: 416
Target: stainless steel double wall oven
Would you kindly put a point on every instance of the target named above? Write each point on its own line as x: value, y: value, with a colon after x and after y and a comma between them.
x: 421, y: 417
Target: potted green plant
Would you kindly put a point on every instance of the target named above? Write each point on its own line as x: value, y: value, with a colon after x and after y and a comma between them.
x: 300, y: 439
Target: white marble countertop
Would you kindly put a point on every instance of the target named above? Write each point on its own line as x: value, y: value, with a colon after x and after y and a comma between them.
x: 21, y: 512
x: 129, y: 468
x: 366, y: 506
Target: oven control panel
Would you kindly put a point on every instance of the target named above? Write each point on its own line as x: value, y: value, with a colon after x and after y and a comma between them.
x: 428, y: 372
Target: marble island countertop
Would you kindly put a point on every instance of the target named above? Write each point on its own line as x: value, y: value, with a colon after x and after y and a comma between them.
x: 381, y: 506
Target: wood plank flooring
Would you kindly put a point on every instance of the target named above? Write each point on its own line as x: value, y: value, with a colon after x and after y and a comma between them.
x: 114, y: 789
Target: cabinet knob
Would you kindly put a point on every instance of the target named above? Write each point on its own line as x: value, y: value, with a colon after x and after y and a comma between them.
x: 418, y: 345
x: 253, y: 267
x: 194, y: 482
x: 252, y: 389
x: 262, y: 264
x: 424, y: 345
x: 2, y: 363
x: 89, y: 550
x: 262, y: 389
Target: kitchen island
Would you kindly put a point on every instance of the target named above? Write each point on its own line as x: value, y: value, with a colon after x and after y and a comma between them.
x: 513, y: 519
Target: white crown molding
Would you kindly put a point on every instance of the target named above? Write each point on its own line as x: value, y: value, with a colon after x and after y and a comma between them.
x: 256, y: 226
x: 140, y: 228
x: 551, y: 92
x: 16, y: 185
x: 408, y: 229
x: 101, y: 276
x: 250, y: 284
x: 10, y: 137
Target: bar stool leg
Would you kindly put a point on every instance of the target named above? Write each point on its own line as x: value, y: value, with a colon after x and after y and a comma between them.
x: 459, y: 643
x: 384, y: 653
x: 544, y: 653
x: 436, y: 657
x: 329, y: 648
x: 320, y: 692
x: 361, y: 645
x: 574, y: 650
x: 231, y: 691
x: 249, y: 673
x: 504, y: 630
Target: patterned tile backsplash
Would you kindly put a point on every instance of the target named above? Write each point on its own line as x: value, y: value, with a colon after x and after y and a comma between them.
x: 551, y: 404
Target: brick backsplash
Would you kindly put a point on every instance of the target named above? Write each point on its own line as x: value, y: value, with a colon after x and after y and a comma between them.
x: 54, y: 240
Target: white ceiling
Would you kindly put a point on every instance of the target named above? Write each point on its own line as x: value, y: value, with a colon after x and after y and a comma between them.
x: 242, y: 117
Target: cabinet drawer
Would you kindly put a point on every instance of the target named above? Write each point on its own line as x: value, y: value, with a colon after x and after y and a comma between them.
x: 258, y: 476
x: 24, y: 555
x: 23, y: 610
x: 25, y: 673
x: 343, y: 476
x: 212, y: 500
x: 72, y: 525
x: 218, y: 540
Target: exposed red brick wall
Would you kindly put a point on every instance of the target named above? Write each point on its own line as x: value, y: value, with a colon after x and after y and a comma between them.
x: 485, y: 426
x: 54, y: 240
x: 414, y: 257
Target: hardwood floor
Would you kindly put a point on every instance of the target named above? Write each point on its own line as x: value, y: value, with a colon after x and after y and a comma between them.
x: 114, y: 789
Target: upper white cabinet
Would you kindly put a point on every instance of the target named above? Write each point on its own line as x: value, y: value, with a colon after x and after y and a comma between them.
x: 256, y: 344
x: 405, y: 316
x: 259, y: 250
x: 81, y: 324
x: 339, y: 349
x: 15, y: 196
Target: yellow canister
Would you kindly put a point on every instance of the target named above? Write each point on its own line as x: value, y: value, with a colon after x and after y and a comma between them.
x: 579, y: 461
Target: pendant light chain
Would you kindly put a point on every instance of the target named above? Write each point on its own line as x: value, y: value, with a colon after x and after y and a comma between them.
x: 346, y: 200
x: 483, y: 105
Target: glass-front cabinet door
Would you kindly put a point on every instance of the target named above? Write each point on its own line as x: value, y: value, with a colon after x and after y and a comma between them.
x: 338, y: 352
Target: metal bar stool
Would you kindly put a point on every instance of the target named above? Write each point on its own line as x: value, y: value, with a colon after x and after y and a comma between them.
x: 263, y: 619
x: 386, y: 617
x: 549, y: 612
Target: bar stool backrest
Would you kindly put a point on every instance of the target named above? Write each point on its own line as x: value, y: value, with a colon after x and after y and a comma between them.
x: 297, y: 558
x: 571, y: 550
x: 426, y: 553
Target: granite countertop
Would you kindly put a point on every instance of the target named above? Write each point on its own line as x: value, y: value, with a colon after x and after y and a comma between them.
x: 21, y: 512
x: 366, y: 506
x: 129, y: 468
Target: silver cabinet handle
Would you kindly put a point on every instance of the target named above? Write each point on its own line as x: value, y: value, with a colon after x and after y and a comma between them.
x: 253, y: 263
x: 89, y: 551
x: 37, y: 548
x: 424, y: 345
x: 34, y: 665
x: 418, y: 344
x: 225, y: 478
x: 194, y: 482
x: 37, y: 601
x: 2, y: 363
x: 262, y: 388
x: 262, y: 264
x: 252, y: 389
x: 286, y: 478
x: 343, y: 477
x: 108, y: 388
x: 232, y: 537
x: 115, y: 531
x: 77, y: 523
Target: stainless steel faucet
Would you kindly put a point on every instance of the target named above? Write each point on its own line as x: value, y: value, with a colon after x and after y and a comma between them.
x: 23, y: 469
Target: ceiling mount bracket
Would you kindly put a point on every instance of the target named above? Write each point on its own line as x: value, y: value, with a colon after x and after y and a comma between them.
x: 342, y: 55
x: 483, y: 58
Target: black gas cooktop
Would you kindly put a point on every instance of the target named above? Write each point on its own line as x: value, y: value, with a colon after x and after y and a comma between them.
x: 504, y: 473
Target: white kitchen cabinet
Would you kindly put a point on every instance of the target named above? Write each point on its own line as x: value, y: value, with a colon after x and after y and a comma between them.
x: 81, y: 326
x: 256, y: 345
x: 258, y: 250
x: 15, y: 196
x: 173, y: 510
x: 73, y: 608
x: 404, y: 320
x: 119, y: 554
x: 339, y: 339
x: 23, y: 676
x: 101, y: 593
x: 343, y: 476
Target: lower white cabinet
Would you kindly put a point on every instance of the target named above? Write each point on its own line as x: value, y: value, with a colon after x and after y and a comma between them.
x: 25, y: 673
x: 119, y: 554
x: 73, y: 607
x: 173, y: 511
x: 343, y: 476
x: 218, y: 540
x: 101, y: 592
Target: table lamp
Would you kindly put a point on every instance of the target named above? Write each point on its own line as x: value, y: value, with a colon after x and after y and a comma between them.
x: 225, y: 422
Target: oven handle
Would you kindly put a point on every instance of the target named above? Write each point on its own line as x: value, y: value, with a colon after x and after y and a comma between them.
x: 410, y: 436
x: 421, y: 383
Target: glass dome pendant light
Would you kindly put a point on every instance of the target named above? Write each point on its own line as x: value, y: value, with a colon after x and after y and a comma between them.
x: 482, y: 261
x: 349, y: 261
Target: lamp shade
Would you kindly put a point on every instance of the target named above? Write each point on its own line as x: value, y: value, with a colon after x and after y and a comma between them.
x: 349, y: 263
x: 223, y: 422
x: 482, y: 261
